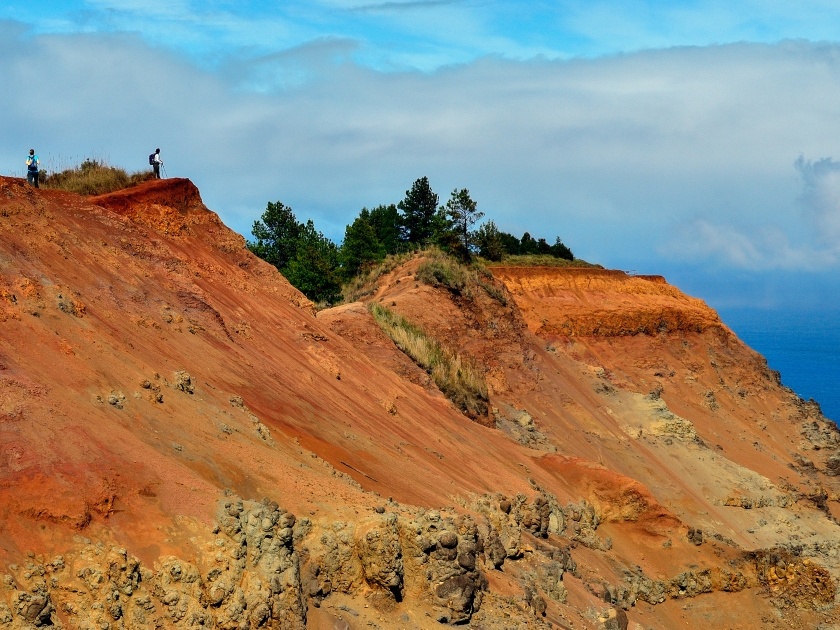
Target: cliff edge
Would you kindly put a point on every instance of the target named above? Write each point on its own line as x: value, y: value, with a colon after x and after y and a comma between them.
x: 183, y: 442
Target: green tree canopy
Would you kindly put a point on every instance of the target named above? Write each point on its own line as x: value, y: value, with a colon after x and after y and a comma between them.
x: 418, y: 211
x: 558, y: 250
x: 314, y: 270
x: 489, y: 241
x: 385, y: 221
x: 307, y: 258
x: 277, y: 234
x: 527, y: 245
x: 316, y: 266
x: 510, y: 243
x: 361, y: 247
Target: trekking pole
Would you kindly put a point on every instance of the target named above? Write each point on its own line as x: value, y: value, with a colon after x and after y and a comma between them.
x: 164, y: 172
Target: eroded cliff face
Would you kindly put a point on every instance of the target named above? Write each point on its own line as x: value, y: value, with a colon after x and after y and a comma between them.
x: 184, y: 443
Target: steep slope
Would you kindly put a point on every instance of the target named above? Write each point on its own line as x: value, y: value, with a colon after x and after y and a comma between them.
x: 645, y: 384
x: 168, y: 402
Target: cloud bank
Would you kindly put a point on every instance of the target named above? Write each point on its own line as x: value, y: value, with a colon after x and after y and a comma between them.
x: 645, y: 160
x: 766, y: 246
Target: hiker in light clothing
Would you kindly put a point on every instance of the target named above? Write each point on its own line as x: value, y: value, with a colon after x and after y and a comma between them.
x: 32, y: 163
x: 156, y: 162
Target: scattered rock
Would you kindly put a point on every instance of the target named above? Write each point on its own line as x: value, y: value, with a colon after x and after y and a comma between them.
x: 695, y: 536
x: 116, y: 399
x: 184, y: 382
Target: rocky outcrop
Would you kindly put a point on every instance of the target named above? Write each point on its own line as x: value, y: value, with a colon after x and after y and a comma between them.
x: 428, y: 558
x: 249, y: 576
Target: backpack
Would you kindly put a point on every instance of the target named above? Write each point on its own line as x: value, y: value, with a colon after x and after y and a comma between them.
x: 152, y: 159
x: 33, y: 164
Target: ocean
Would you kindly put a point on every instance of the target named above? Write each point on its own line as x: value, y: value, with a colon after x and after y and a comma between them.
x: 803, y: 345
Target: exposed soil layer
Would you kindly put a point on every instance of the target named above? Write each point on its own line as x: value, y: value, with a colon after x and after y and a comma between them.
x: 602, y: 302
x: 184, y: 442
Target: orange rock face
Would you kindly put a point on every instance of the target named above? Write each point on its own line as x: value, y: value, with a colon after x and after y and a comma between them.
x: 602, y: 303
x: 183, y: 441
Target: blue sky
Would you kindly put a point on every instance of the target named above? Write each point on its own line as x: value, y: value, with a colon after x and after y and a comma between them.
x: 428, y: 34
x: 693, y: 139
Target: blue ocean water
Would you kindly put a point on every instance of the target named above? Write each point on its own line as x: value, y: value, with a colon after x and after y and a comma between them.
x: 803, y: 345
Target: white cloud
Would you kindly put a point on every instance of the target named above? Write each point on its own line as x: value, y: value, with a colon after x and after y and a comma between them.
x: 767, y: 246
x: 606, y: 153
x: 821, y: 198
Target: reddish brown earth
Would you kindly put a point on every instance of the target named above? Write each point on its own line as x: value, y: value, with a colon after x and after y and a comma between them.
x: 153, y: 372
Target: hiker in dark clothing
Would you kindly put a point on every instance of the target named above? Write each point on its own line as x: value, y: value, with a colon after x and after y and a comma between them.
x: 32, y: 163
x: 156, y: 162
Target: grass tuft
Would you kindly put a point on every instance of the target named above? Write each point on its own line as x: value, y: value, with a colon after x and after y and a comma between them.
x: 441, y: 269
x: 494, y: 292
x: 539, y: 260
x: 365, y: 283
x: 92, y: 177
x: 460, y: 380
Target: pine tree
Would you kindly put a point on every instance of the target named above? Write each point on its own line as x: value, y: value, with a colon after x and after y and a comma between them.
x: 488, y: 239
x: 418, y: 210
x: 463, y: 213
x: 510, y: 243
x: 559, y: 250
x: 314, y: 271
x: 361, y: 247
x: 277, y: 235
x: 307, y: 258
x: 385, y: 221
x: 527, y: 245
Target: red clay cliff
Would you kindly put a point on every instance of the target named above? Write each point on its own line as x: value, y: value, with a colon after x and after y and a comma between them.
x: 184, y: 442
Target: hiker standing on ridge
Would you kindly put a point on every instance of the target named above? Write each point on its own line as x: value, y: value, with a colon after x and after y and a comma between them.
x: 156, y: 162
x: 32, y: 163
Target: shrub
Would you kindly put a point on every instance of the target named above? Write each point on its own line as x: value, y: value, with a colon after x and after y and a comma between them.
x: 443, y: 269
x: 460, y: 380
x: 92, y: 177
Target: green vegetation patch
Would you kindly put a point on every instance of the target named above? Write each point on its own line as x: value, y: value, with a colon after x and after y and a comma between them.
x: 441, y: 269
x: 92, y: 177
x: 328, y: 272
x: 540, y: 260
x: 460, y: 380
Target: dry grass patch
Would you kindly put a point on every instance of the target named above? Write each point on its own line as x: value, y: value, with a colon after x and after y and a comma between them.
x: 440, y: 269
x: 364, y: 284
x: 460, y: 380
x: 92, y: 177
x: 539, y: 260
